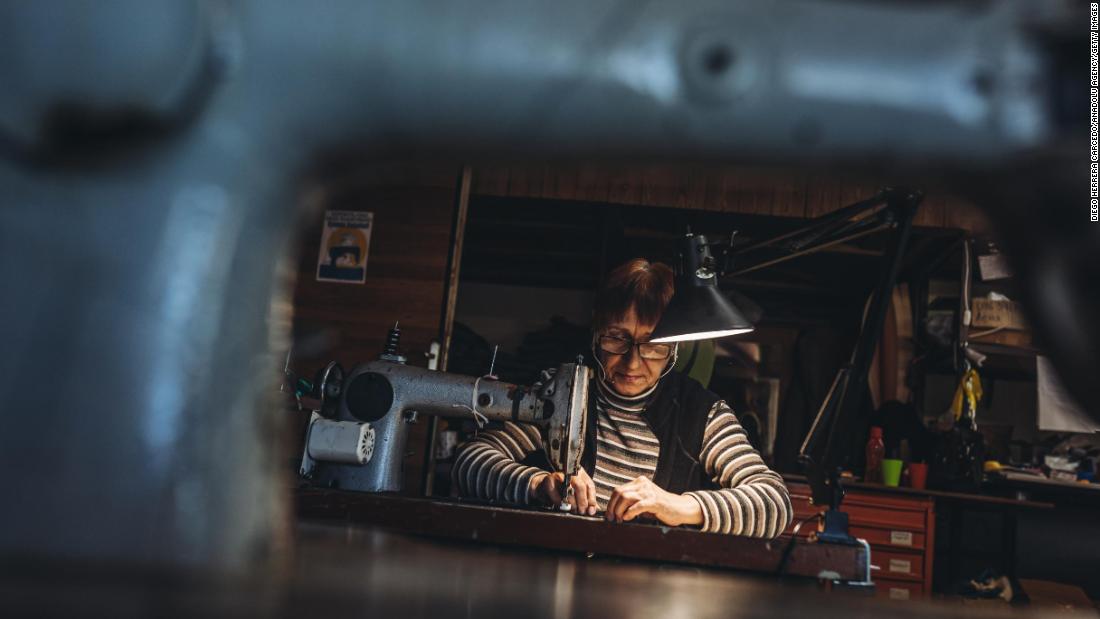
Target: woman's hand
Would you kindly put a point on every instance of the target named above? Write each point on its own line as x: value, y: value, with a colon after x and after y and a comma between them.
x: 547, y: 487
x: 642, y: 497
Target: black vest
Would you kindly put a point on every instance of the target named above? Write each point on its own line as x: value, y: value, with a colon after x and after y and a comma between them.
x: 677, y: 415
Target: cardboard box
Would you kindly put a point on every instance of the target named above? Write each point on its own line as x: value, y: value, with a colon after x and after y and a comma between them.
x: 989, y: 314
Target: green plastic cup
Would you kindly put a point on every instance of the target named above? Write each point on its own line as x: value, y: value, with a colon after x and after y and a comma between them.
x: 891, y: 471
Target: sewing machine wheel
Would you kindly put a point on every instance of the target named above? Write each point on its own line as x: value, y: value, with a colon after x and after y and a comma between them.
x: 329, y: 385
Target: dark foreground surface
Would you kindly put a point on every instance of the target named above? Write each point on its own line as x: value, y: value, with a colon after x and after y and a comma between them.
x: 339, y: 569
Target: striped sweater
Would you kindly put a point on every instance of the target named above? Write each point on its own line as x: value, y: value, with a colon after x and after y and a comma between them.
x: 752, y: 499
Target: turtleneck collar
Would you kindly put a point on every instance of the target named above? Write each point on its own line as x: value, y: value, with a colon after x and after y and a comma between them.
x: 609, y: 397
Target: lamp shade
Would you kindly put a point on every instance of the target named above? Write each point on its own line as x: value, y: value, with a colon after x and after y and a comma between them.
x: 699, y: 312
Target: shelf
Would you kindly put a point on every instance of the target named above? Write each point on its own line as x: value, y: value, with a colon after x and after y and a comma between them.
x: 1003, y: 350
x: 1002, y: 362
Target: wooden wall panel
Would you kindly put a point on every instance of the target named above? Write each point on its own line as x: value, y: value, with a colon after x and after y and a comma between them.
x: 741, y: 193
x: 713, y: 190
x: 823, y: 194
x: 626, y: 185
x: 406, y: 273
x: 681, y: 188
x: 491, y: 180
x: 961, y: 213
x: 561, y: 182
x: 789, y: 193
x: 593, y: 183
x: 931, y: 210
x: 742, y: 189
x: 526, y: 180
x: 853, y: 189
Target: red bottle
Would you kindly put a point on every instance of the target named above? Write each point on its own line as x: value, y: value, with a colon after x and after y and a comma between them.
x: 876, y: 450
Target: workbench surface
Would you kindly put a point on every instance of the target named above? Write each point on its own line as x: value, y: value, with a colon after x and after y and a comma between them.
x: 555, y: 531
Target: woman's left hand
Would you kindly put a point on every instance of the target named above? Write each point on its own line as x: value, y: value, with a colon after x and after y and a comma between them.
x: 643, y: 497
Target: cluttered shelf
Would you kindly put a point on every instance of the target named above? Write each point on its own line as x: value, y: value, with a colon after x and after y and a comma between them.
x: 999, y: 361
x: 969, y: 497
x: 916, y: 535
x: 1050, y: 491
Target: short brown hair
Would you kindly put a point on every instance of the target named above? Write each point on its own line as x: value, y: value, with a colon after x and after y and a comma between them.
x: 640, y: 284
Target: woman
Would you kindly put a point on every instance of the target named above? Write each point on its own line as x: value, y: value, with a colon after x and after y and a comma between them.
x: 659, y: 444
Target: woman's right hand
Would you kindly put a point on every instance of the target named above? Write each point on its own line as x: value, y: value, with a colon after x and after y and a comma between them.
x: 547, y: 487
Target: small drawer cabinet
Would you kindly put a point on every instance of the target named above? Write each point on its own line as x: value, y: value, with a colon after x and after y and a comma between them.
x: 899, y: 528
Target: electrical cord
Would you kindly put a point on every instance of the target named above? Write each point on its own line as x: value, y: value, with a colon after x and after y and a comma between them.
x: 785, y: 558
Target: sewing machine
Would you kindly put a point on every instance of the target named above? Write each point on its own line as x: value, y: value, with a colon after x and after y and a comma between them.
x: 362, y: 444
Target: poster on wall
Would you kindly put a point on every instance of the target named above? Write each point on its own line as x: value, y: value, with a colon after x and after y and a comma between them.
x: 344, y: 243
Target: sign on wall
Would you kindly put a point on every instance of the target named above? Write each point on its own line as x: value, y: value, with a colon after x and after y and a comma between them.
x: 344, y: 244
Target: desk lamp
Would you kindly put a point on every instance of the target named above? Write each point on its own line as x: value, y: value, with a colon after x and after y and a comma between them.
x: 699, y: 310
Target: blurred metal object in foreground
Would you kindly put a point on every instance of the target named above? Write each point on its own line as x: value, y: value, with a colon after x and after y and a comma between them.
x: 148, y: 151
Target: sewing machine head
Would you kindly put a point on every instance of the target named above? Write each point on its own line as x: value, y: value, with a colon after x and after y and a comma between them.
x: 567, y: 396
x: 362, y: 446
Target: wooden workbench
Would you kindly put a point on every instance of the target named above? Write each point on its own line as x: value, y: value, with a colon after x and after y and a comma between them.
x: 585, y: 535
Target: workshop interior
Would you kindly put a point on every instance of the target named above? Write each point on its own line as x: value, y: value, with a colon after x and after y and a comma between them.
x: 306, y: 308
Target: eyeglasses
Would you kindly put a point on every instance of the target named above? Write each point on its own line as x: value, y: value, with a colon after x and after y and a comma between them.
x: 646, y: 350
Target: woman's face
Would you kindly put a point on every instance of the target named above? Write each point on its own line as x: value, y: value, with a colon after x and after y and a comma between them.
x: 628, y: 373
